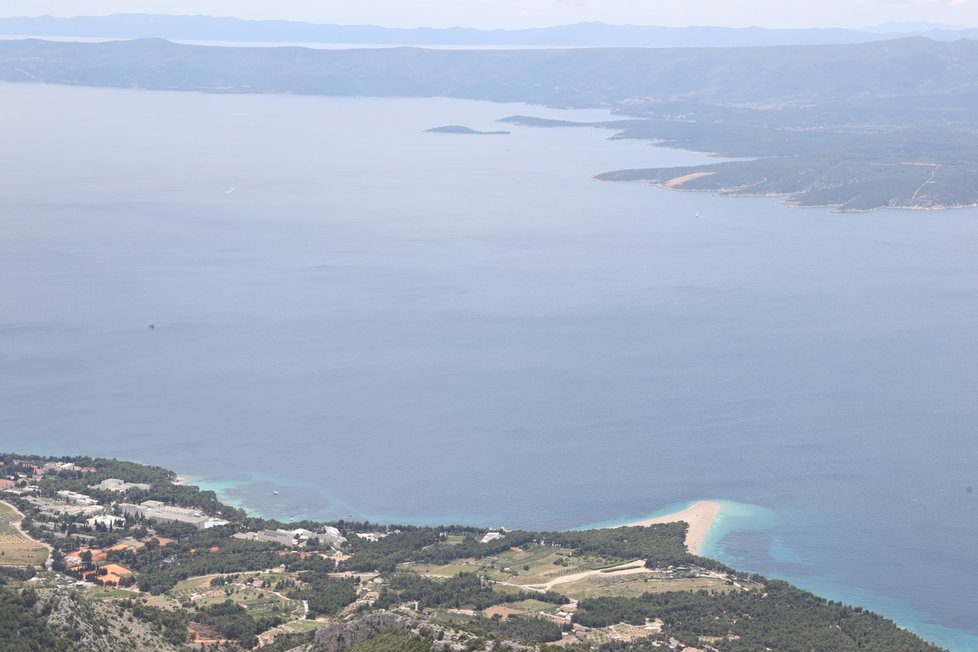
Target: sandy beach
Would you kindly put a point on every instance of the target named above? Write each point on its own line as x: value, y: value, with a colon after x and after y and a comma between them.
x: 678, y: 181
x: 700, y: 517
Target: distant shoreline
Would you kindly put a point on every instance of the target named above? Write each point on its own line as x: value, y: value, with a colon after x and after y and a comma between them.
x: 675, y: 185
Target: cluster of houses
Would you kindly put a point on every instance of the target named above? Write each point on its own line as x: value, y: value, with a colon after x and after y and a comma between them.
x: 289, y: 538
x: 23, y: 475
x: 114, y: 484
x: 90, y: 563
x: 70, y: 505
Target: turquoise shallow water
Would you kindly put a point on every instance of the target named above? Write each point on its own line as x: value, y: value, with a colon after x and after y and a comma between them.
x: 412, y: 327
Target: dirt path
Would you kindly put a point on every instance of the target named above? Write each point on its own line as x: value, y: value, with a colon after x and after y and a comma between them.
x: 48, y: 563
x: 930, y: 179
x: 636, y: 567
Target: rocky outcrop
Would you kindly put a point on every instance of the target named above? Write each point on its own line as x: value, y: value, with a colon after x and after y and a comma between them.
x: 97, y: 626
x: 344, y: 636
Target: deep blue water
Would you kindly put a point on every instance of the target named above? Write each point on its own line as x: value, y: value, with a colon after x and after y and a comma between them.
x: 414, y: 327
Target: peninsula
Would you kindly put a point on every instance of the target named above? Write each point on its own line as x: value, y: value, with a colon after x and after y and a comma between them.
x: 850, y: 126
x: 105, y: 555
x: 464, y: 131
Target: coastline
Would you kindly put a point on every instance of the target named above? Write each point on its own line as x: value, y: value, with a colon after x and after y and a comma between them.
x: 700, y: 516
x: 675, y: 185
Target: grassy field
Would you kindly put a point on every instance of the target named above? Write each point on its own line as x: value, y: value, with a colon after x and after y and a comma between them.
x: 541, y: 564
x: 635, y: 585
x: 15, y: 548
x: 304, y: 625
x: 259, y: 602
x: 110, y: 593
x: 445, y: 570
x: 531, y: 565
x: 615, y: 634
x: 531, y: 605
x: 536, y: 566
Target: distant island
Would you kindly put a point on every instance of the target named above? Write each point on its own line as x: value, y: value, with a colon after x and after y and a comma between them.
x: 852, y: 127
x: 104, y: 555
x: 464, y: 131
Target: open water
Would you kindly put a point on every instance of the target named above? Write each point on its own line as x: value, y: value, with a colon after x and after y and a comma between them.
x: 414, y: 327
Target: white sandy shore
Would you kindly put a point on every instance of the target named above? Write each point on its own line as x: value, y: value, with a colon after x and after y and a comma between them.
x: 700, y: 517
x: 678, y: 181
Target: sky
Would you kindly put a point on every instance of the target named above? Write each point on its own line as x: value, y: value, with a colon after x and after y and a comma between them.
x: 513, y: 14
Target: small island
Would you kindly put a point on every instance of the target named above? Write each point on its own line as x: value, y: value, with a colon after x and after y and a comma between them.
x: 464, y: 131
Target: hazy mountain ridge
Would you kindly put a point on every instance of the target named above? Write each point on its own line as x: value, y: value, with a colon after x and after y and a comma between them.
x: 211, y: 28
x: 610, y: 77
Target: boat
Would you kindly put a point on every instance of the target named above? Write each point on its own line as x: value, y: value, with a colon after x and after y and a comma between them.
x: 150, y: 325
x: 275, y: 493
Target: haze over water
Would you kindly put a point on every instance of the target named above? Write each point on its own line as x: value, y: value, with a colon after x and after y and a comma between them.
x: 415, y: 327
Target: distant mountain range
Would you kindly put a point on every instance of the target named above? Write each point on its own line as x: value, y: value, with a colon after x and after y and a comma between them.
x: 209, y: 28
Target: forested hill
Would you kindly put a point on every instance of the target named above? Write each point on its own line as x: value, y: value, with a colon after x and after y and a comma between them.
x: 856, y: 127
x: 904, y: 68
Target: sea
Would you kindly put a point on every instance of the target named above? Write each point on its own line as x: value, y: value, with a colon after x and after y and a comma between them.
x: 382, y: 323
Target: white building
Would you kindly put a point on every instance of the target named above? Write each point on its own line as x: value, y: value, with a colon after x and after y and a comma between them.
x: 76, y: 498
x: 332, y: 536
x: 114, y: 484
x: 108, y: 520
x: 154, y: 510
x: 280, y: 537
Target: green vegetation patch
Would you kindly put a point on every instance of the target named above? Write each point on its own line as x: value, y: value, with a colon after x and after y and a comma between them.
x: 22, y: 628
x: 779, y: 617
x: 393, y: 642
x: 326, y: 596
x: 466, y: 591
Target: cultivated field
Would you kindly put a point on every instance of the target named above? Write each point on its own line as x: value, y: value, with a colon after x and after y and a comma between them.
x: 15, y: 548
